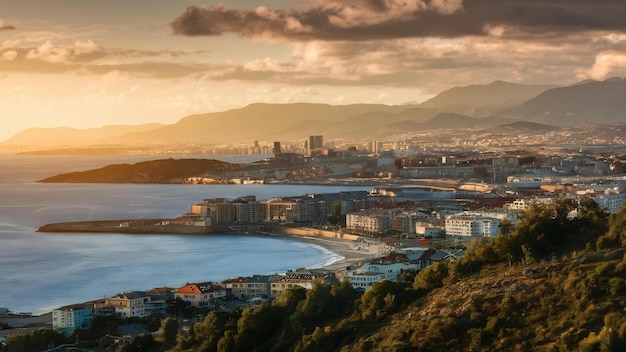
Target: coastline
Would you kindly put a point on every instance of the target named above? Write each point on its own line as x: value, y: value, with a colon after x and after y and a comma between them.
x: 346, y: 249
x: 349, y: 250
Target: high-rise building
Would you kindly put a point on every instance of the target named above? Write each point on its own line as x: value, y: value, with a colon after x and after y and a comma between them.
x: 277, y: 148
x: 256, y: 148
x: 316, y: 142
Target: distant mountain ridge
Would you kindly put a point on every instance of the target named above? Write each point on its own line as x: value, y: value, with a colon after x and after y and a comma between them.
x: 470, y: 107
x: 587, y: 102
x: 483, y: 100
x: 74, y: 136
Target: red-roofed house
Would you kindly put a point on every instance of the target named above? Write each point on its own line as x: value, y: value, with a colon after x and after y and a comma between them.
x: 200, y: 294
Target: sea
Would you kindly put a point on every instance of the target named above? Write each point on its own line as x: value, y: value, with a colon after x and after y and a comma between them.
x: 43, y: 271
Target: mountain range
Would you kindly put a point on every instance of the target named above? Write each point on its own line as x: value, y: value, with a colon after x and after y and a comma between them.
x: 472, y: 107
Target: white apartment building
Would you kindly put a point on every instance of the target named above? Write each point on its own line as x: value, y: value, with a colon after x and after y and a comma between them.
x: 364, y: 279
x: 472, y: 227
x: 477, y: 224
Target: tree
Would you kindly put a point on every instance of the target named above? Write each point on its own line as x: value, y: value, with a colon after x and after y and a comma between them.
x: 432, y: 276
x: 169, y: 329
x: 617, y: 228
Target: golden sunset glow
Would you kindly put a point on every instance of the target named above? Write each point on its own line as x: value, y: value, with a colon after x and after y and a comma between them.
x: 84, y: 64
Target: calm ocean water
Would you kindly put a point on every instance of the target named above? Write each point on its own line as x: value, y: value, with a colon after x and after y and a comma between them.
x: 39, y: 272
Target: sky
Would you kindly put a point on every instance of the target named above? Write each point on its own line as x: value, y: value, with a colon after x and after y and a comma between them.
x: 90, y: 63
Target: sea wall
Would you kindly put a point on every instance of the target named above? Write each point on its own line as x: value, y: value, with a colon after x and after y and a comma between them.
x: 138, y: 226
x: 310, y: 232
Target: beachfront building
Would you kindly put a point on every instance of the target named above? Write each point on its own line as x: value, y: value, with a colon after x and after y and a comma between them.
x: 200, y: 294
x: 370, y: 222
x: 278, y: 209
x: 69, y: 318
x: 248, y: 287
x: 301, y: 277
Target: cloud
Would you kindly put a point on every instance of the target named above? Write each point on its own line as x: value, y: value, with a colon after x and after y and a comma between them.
x: 605, y: 63
x: 7, y: 28
x: 86, y: 47
x: 361, y: 20
x: 47, y: 52
x: 9, y: 55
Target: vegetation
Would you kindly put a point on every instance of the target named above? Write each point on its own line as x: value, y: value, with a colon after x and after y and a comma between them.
x: 551, y: 283
x: 154, y: 171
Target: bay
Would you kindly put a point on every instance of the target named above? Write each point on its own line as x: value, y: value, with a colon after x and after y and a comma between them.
x: 42, y: 271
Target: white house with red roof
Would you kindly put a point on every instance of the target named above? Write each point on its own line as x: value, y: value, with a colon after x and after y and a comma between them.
x: 200, y: 294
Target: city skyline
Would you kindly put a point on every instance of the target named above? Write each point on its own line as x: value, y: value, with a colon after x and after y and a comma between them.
x: 89, y: 64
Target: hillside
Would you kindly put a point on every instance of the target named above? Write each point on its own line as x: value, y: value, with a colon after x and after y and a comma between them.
x: 483, y: 99
x: 256, y: 122
x: 155, y: 171
x: 585, y: 103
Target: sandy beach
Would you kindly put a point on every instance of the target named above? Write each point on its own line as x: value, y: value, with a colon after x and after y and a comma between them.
x: 351, y: 251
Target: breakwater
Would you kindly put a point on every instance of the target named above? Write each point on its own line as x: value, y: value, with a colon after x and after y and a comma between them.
x: 136, y: 226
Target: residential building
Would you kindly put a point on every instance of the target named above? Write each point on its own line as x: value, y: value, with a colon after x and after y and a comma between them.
x: 389, y: 267
x: 426, y: 229
x: 610, y: 202
x: 248, y: 287
x: 130, y: 304
x: 301, y: 277
x: 405, y: 222
x: 277, y: 209
x: 200, y: 294
x: 477, y: 224
x: 69, y: 318
x: 364, y: 279
x: 372, y: 222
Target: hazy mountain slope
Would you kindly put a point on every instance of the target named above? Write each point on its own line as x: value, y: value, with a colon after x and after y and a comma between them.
x: 359, y: 126
x: 59, y: 136
x: 521, y: 127
x: 452, y: 121
x: 367, y: 125
x: 449, y: 121
x: 481, y: 100
x: 583, y: 103
x: 254, y: 122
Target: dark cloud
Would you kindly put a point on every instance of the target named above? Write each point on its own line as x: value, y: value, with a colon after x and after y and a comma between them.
x: 7, y: 28
x: 361, y: 20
